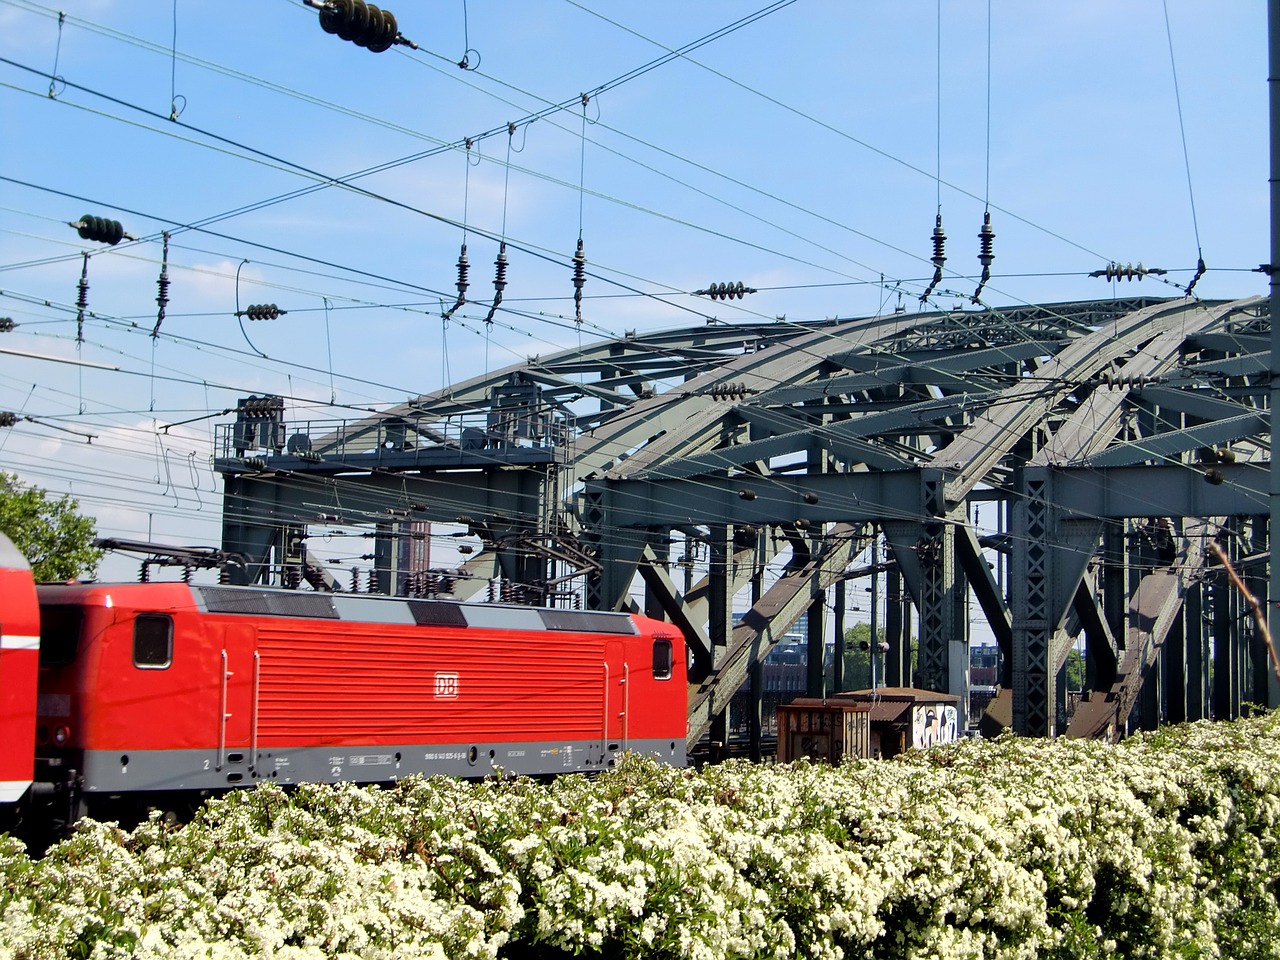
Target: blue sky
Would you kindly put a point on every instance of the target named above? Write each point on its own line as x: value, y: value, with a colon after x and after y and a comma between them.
x: 805, y: 154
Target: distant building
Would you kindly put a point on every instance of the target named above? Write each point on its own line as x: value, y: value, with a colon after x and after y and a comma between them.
x: 984, y: 665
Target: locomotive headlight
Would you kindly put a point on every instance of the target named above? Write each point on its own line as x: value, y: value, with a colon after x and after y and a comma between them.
x: 42, y: 735
x: 61, y: 734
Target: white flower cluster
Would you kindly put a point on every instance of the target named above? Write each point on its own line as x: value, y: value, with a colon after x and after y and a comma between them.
x: 1167, y: 845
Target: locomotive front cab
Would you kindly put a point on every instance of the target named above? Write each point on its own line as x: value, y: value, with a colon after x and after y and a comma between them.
x: 659, y: 691
x: 19, y: 644
x: 108, y: 690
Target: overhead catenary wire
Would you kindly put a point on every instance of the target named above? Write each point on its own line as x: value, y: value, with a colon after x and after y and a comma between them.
x: 939, y: 237
x: 174, y: 110
x: 256, y: 80
x: 109, y: 32
x: 325, y: 184
x: 843, y: 134
x: 321, y: 185
x: 986, y: 234
x: 1186, y: 156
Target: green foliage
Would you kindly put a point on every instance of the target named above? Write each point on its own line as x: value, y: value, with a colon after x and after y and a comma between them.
x: 857, y: 662
x: 1075, y: 669
x: 56, y: 540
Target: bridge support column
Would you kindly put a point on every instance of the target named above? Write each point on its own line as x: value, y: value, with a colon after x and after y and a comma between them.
x: 816, y: 643
x: 837, y: 631
x: 1226, y: 642
x: 1033, y: 683
x: 897, y: 660
x: 1197, y: 654
x: 1174, y: 676
x: 1050, y: 555
x: 618, y: 551
x: 386, y: 558
x: 926, y: 555
x: 755, y: 674
x: 720, y: 618
x: 247, y: 528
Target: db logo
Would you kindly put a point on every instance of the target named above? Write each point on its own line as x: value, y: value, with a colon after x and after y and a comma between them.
x: 446, y: 686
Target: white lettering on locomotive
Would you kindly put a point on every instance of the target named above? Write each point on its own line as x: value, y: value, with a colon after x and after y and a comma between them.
x: 446, y: 686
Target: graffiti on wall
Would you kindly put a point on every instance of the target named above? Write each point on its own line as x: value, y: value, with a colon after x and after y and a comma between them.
x: 934, y: 723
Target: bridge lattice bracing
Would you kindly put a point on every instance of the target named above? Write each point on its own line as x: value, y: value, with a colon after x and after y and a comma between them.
x: 696, y: 472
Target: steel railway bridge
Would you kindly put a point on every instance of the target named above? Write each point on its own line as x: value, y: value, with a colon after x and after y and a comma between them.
x: 1067, y: 473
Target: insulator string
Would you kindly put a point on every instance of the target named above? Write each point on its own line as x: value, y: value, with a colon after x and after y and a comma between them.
x: 240, y: 315
x: 162, y: 296
x: 82, y: 300
x: 361, y: 23
x: 986, y: 254
x: 938, y: 259
x: 579, y: 278
x: 499, y: 284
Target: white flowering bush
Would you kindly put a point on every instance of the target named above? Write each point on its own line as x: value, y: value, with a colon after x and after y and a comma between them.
x: 1163, y: 846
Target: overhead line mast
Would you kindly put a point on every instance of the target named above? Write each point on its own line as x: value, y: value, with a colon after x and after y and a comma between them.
x: 1273, y: 90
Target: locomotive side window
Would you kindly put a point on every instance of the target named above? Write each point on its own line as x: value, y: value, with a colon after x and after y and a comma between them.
x: 662, y: 659
x: 152, y: 641
x: 59, y: 634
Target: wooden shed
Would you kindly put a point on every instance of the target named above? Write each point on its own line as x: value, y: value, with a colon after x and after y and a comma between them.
x: 832, y: 729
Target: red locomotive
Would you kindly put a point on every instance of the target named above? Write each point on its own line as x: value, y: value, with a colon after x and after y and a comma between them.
x: 157, y: 694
